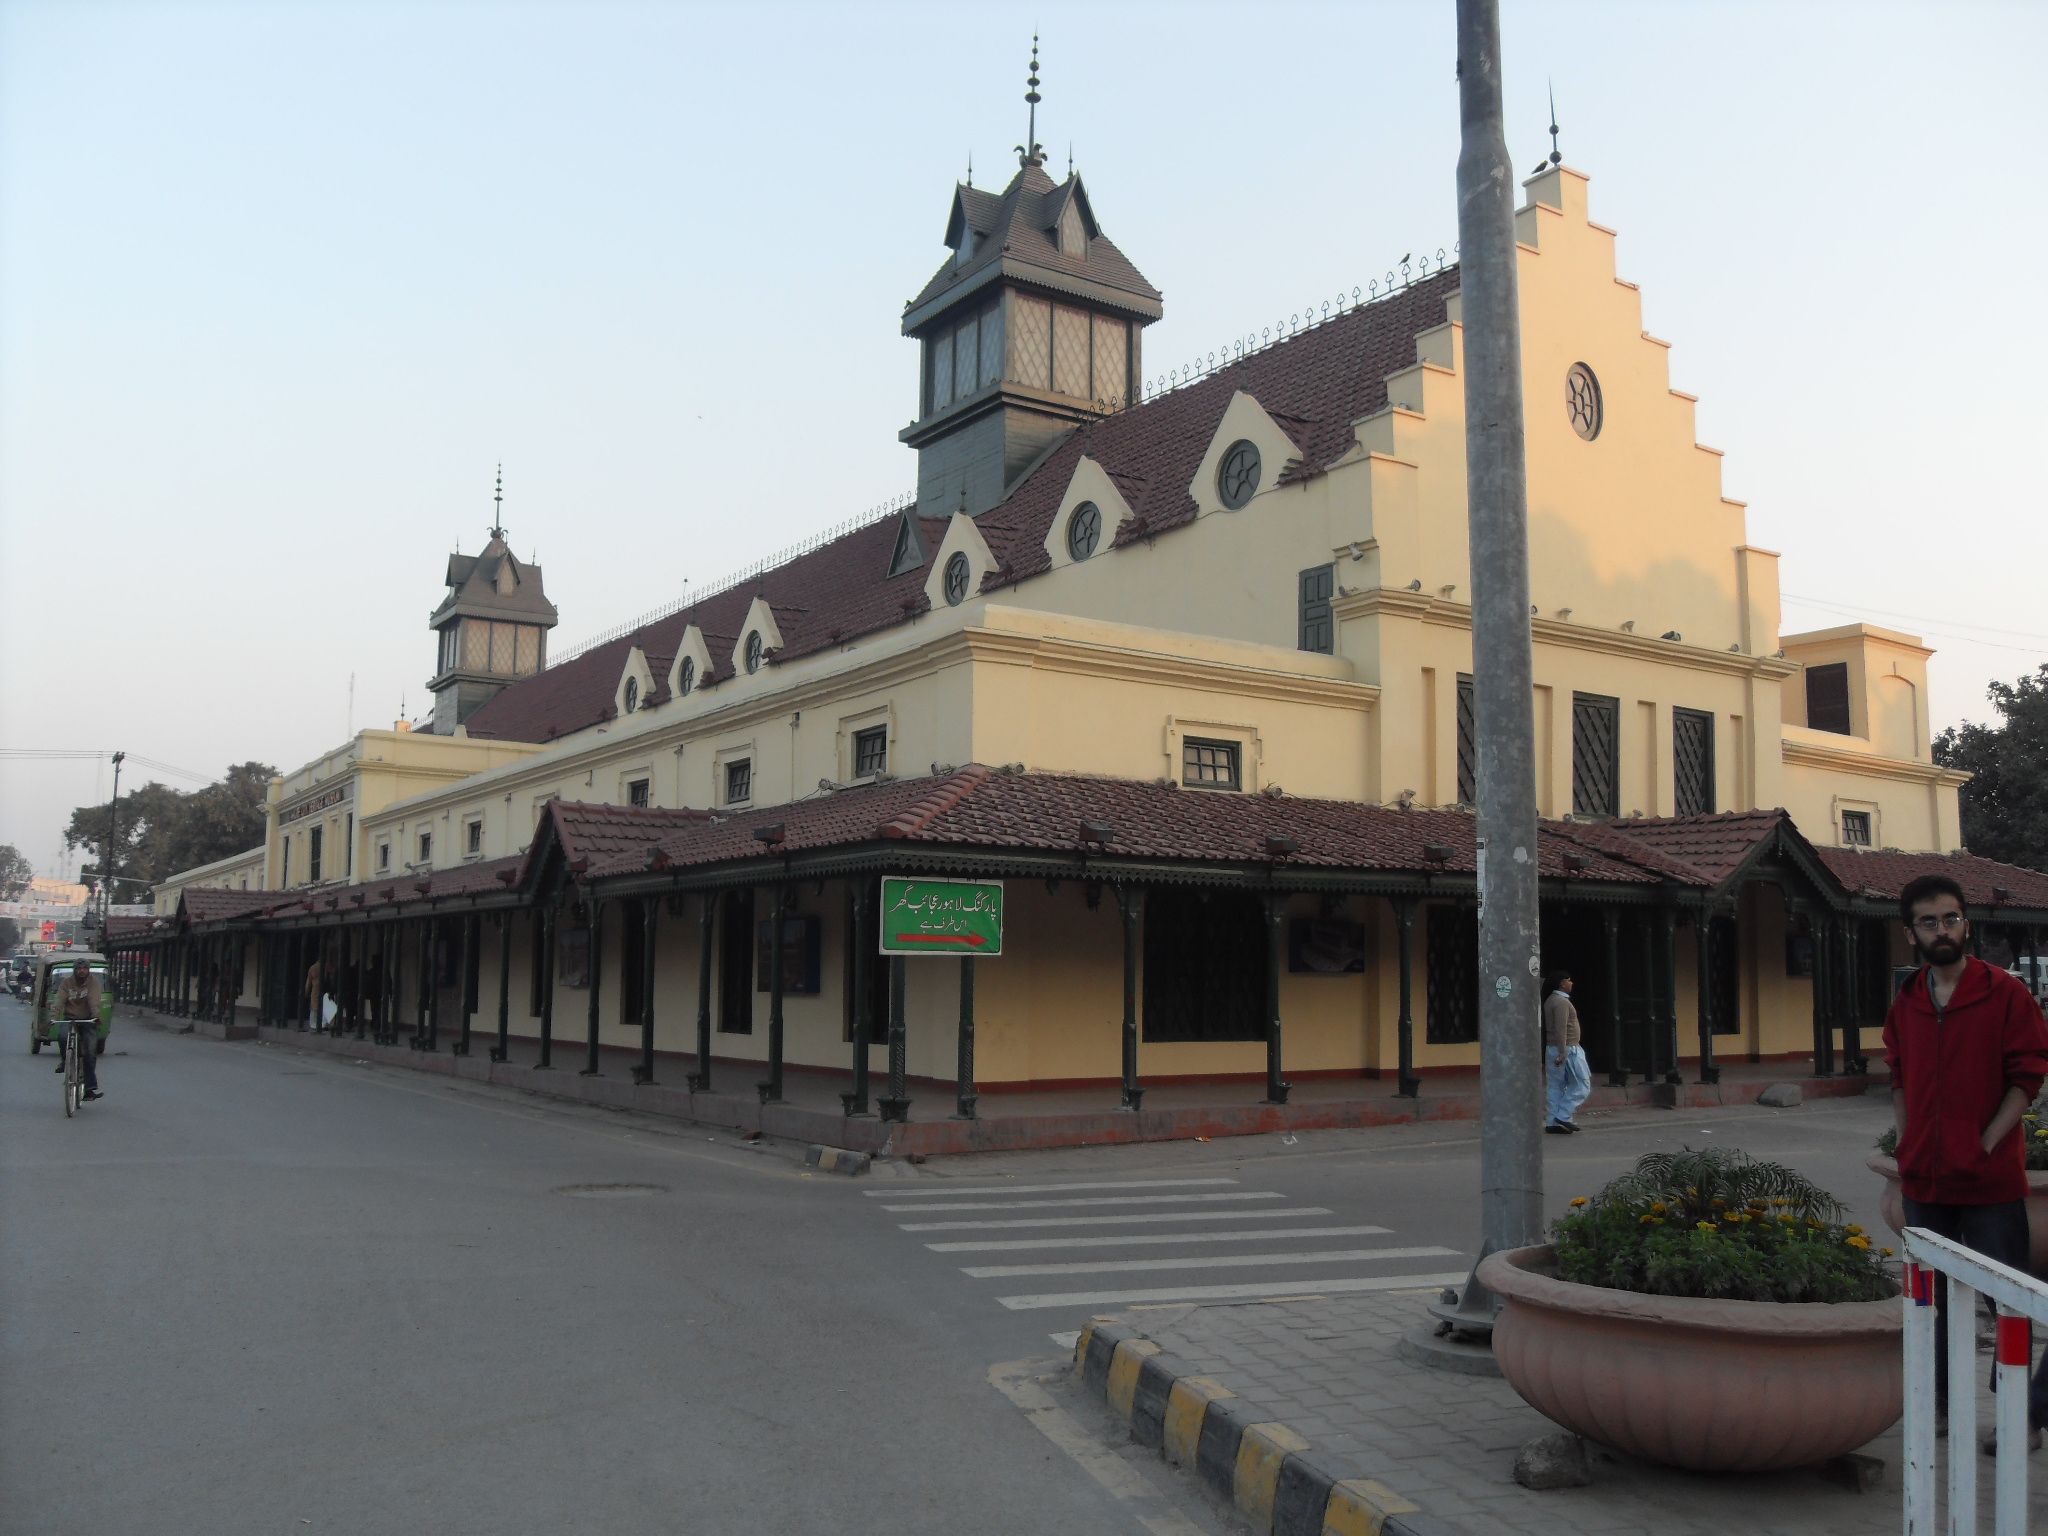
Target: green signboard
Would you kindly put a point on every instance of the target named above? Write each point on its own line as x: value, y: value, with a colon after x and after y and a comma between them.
x: 941, y: 917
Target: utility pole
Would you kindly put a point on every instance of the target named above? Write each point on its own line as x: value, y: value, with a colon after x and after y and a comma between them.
x: 107, y: 864
x: 1510, y: 1061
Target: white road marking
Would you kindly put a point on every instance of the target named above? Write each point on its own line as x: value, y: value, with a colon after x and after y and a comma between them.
x: 1232, y: 1292
x: 1044, y: 1205
x: 1040, y: 1189
x: 1211, y: 1261
x: 1066, y: 1340
x: 1254, y: 1235
x: 1113, y: 1221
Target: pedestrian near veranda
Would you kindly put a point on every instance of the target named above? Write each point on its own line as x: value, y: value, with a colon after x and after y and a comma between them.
x: 1968, y: 1050
x: 1568, y: 1077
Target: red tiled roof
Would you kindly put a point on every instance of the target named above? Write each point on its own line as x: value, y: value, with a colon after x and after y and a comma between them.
x: 213, y: 906
x: 1700, y: 849
x: 483, y: 878
x: 125, y: 927
x: 1882, y: 874
x: 978, y: 808
x: 596, y: 836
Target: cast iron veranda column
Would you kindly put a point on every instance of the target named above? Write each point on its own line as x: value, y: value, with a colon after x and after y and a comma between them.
x: 1130, y: 908
x: 1667, y: 993
x: 1823, y: 1031
x: 547, y: 989
x: 472, y: 942
x: 1646, y: 923
x: 650, y: 922
x: 1708, y: 1006
x: 896, y: 1102
x: 596, y: 973
x: 430, y: 983
x: 707, y: 922
x: 861, y: 894
x: 1617, y: 1063
x: 1850, y: 999
x: 503, y: 1048
x: 771, y: 1090
x: 1407, y: 1084
x: 963, y: 1091
x: 1276, y: 960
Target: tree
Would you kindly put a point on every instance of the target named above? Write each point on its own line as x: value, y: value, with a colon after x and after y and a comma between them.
x: 163, y: 830
x: 10, y: 936
x: 15, y: 872
x: 2005, y: 806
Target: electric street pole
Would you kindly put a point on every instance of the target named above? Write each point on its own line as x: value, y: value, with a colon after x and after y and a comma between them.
x: 107, y: 864
x: 1510, y: 1067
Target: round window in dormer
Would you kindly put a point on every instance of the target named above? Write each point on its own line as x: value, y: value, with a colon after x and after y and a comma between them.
x: 632, y: 694
x: 957, y: 574
x: 754, y: 650
x: 1084, y: 530
x: 686, y: 675
x: 1582, y: 401
x: 1238, y: 476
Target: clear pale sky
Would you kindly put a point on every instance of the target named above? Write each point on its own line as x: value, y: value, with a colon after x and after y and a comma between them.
x: 281, y: 283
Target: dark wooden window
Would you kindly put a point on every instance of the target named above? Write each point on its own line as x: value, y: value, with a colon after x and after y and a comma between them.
x: 739, y: 781
x: 1596, y: 755
x: 1856, y: 829
x: 313, y: 840
x: 426, y: 846
x: 383, y: 856
x: 473, y: 834
x: 870, y: 751
x: 639, y: 792
x: 1692, y: 761
x: 1827, y: 698
x: 629, y: 918
x: 736, y: 964
x: 1205, y: 965
x: 800, y: 950
x: 1468, y: 744
x: 1451, y: 970
x: 348, y: 852
x: 866, y: 936
x: 1725, y: 977
x: 1209, y: 764
x: 1318, y: 625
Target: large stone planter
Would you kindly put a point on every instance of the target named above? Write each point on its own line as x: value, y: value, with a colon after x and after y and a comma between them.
x: 1892, y: 1206
x: 1714, y: 1386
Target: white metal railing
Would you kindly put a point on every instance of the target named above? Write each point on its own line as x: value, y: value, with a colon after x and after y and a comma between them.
x: 2021, y: 1300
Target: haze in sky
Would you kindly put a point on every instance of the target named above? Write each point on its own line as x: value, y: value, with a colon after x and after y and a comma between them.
x: 281, y: 284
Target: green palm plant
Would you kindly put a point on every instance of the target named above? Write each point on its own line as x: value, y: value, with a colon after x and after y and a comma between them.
x: 1697, y: 1182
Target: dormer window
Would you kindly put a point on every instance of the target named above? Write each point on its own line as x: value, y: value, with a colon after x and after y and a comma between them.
x: 966, y: 252
x: 1071, y: 235
x: 686, y: 676
x: 753, y: 651
x: 632, y: 694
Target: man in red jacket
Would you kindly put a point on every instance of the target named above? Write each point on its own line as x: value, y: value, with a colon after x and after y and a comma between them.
x: 1968, y: 1050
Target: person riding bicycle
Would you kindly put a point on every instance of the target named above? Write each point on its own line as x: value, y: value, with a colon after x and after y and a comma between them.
x: 77, y: 999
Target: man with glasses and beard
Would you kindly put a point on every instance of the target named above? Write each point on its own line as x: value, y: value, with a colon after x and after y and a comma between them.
x: 1968, y: 1049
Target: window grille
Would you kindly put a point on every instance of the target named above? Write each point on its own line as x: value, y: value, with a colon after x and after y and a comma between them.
x: 739, y: 781
x: 1209, y: 764
x: 1031, y: 341
x: 1205, y: 965
x: 1468, y: 744
x: 1070, y: 351
x: 1692, y: 761
x: 1596, y: 755
x: 870, y: 751
x: 1451, y: 962
x: 1856, y: 829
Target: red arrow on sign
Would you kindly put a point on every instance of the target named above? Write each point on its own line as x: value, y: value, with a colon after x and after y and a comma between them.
x: 974, y: 939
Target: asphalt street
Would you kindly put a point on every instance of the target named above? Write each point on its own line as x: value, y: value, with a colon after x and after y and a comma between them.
x: 291, y: 1294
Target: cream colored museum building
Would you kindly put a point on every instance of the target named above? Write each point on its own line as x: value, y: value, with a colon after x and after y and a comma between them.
x: 1190, y: 670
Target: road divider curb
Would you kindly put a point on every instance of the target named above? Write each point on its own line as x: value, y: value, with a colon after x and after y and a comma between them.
x: 836, y: 1160
x: 1272, y: 1476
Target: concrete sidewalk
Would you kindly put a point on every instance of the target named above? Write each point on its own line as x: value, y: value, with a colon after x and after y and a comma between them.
x: 1330, y: 1370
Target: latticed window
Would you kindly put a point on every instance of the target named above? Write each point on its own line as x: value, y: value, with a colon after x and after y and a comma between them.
x: 1451, y: 964
x: 1111, y: 341
x: 992, y: 345
x: 1031, y: 341
x: 1209, y: 764
x: 1468, y: 743
x: 870, y: 751
x: 1070, y: 351
x: 1205, y: 965
x: 739, y: 780
x: 1596, y: 755
x: 1692, y: 761
x: 966, y: 358
x: 1855, y: 829
x: 1318, y: 627
x: 942, y: 371
x: 1827, y: 698
x: 639, y: 792
x: 526, y: 649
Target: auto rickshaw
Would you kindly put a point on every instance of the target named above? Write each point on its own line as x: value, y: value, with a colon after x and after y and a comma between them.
x: 51, y: 968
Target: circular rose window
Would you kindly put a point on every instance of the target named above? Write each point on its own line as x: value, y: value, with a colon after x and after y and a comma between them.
x: 1582, y: 400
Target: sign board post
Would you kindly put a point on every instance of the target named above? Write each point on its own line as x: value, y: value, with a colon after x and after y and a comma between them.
x: 942, y: 917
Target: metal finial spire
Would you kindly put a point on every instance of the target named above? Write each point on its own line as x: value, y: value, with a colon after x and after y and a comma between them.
x: 1070, y: 159
x: 498, y: 506
x: 970, y: 167
x: 1555, y: 157
x: 1031, y: 152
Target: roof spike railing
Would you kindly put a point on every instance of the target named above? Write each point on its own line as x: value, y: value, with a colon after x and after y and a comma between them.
x: 693, y: 595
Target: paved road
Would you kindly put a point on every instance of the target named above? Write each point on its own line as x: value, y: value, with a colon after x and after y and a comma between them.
x: 283, y: 1294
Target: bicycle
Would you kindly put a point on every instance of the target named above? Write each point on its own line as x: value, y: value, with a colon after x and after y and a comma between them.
x: 78, y: 1039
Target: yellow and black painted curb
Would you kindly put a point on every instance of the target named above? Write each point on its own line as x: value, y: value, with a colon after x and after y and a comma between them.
x: 1274, y: 1478
x: 836, y: 1160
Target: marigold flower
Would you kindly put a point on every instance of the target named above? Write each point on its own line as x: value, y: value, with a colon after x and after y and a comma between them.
x: 1886, y: 1252
x: 1577, y: 1201
x: 1788, y: 1221
x: 1706, y: 1226
x: 1645, y: 1219
x: 1860, y: 1244
x: 1853, y: 1230
x: 1657, y: 1207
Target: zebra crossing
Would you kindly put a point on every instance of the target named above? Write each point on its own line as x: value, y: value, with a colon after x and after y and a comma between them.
x: 1127, y: 1242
